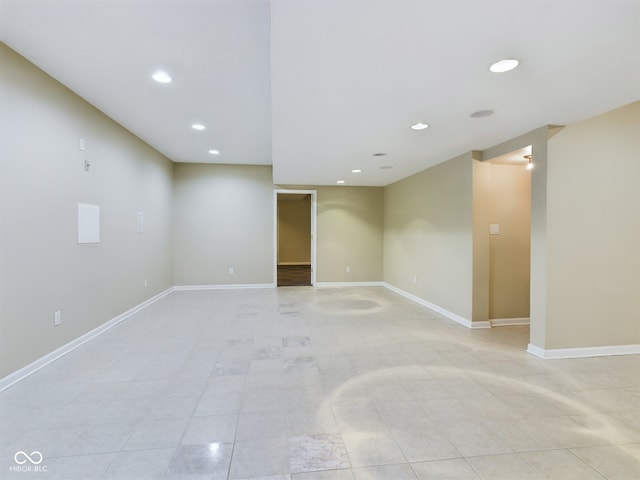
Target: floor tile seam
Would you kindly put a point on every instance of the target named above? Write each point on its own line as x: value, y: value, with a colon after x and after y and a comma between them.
x: 84, y: 429
x: 191, y: 417
x: 575, y: 454
x: 617, y: 416
x: 411, y: 464
x: 459, y: 454
x: 117, y: 454
x: 567, y: 450
x: 237, y: 422
x: 477, y: 472
x: 233, y: 444
x: 503, y: 439
x: 390, y: 434
x: 602, y: 441
x: 390, y: 428
x: 122, y: 450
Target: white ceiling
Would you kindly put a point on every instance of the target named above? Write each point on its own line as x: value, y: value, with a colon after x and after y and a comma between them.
x: 316, y: 87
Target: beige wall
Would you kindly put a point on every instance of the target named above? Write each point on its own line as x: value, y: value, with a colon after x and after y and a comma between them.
x: 428, y: 233
x: 42, y: 179
x: 593, y: 234
x: 509, y: 252
x: 294, y: 229
x: 223, y: 219
x: 350, y: 226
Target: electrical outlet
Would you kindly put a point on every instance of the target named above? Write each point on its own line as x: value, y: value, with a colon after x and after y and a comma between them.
x: 57, y: 318
x: 415, y: 279
x: 231, y: 271
x: 146, y: 283
x: 348, y: 269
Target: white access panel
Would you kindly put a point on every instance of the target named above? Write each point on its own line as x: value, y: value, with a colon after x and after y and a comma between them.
x: 140, y: 222
x: 88, y: 223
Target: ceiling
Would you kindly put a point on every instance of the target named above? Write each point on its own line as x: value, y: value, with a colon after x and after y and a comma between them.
x: 317, y: 87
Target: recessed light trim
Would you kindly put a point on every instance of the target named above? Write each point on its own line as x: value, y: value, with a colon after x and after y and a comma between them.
x: 380, y: 154
x: 162, y: 77
x: 386, y: 167
x: 198, y: 126
x: 504, y: 65
x: 420, y: 126
x: 214, y: 152
x: 356, y: 170
x: 482, y: 114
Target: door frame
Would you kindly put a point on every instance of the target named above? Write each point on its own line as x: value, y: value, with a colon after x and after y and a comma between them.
x: 314, y: 211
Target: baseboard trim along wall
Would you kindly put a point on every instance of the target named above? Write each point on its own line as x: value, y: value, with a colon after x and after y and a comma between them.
x: 349, y: 284
x: 442, y: 311
x: 45, y: 360
x: 509, y: 322
x: 235, y: 286
x: 558, y: 353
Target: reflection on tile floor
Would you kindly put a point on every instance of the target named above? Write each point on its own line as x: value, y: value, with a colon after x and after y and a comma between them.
x: 318, y: 384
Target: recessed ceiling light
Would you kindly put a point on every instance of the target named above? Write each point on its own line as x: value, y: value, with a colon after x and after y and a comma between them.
x: 504, y: 65
x: 419, y: 126
x: 340, y: 182
x: 481, y: 114
x: 386, y: 167
x: 162, y: 77
x: 380, y: 154
x: 198, y: 126
x: 214, y: 152
x: 356, y: 170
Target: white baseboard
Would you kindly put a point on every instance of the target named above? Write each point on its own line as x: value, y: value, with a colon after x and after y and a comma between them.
x: 239, y: 286
x: 33, y: 367
x: 557, y: 353
x: 535, y: 350
x: 509, y: 322
x: 442, y: 311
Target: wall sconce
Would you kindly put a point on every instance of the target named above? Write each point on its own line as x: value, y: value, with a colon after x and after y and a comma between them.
x: 530, y: 162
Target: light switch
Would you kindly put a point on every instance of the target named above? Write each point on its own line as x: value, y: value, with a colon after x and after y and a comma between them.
x: 494, y: 229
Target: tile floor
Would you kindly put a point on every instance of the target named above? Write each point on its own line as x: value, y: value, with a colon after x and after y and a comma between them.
x: 318, y: 384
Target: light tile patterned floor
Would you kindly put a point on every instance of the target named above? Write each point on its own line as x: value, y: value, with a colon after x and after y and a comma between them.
x: 319, y: 384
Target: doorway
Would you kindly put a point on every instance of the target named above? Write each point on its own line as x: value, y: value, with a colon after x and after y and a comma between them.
x: 509, y: 217
x: 294, y: 227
